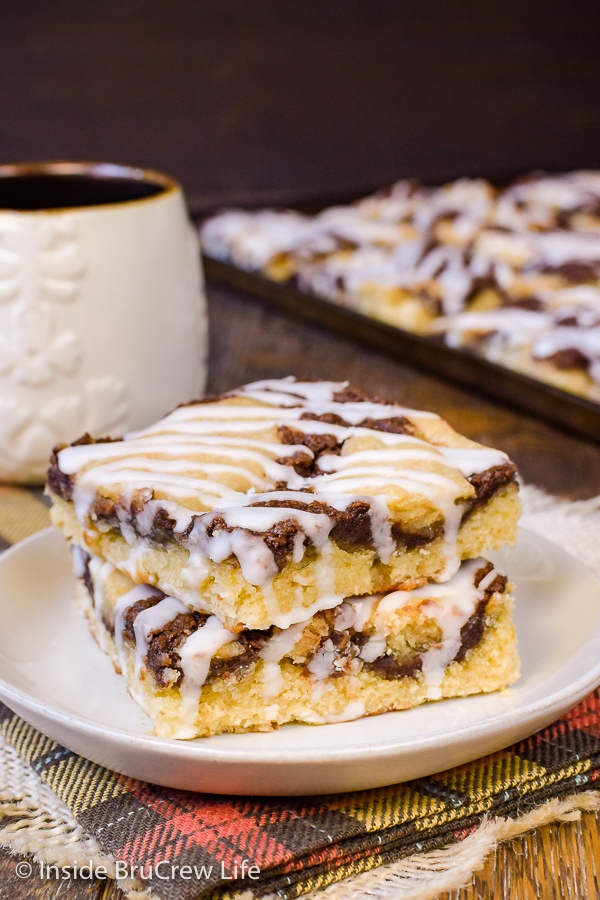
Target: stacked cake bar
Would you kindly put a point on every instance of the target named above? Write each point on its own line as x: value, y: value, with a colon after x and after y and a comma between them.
x: 291, y: 551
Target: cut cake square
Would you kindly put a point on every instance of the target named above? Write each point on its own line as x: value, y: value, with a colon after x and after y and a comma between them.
x: 367, y: 655
x: 282, y: 498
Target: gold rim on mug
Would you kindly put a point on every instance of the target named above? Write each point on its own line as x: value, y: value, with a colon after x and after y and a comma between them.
x: 92, y: 170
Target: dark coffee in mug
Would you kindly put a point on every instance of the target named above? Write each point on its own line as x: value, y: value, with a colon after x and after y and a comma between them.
x: 30, y: 192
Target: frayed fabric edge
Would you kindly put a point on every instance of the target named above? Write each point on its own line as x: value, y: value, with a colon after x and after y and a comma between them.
x: 51, y: 836
x: 424, y: 876
x: 34, y: 821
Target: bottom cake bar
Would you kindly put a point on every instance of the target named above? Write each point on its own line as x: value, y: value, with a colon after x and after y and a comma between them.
x: 368, y: 655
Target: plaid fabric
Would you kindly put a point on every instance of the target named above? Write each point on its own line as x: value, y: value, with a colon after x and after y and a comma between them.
x: 295, y: 844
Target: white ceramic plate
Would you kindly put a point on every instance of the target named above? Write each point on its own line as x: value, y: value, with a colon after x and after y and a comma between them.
x: 53, y: 674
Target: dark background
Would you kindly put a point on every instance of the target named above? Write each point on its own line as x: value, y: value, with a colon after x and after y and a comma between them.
x: 264, y: 100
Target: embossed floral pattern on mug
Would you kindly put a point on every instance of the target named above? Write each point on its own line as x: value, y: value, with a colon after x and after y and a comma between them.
x: 102, y: 313
x: 40, y: 266
x: 27, y: 432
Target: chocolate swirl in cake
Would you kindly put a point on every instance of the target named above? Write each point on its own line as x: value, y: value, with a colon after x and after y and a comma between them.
x: 356, y: 636
x: 277, y: 469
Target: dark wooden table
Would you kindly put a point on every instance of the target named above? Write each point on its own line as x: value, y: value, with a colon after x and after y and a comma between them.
x: 250, y: 341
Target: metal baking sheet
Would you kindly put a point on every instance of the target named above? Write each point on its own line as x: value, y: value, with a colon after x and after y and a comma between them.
x: 462, y: 366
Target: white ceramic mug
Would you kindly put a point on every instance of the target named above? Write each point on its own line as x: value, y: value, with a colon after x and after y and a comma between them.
x: 102, y: 307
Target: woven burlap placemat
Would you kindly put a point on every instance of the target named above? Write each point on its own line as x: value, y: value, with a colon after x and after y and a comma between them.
x: 410, y: 840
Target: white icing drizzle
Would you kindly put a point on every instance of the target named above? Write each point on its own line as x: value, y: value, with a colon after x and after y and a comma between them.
x: 537, y: 335
x: 253, y: 239
x: 209, y: 484
x: 154, y: 619
x: 325, y: 578
x: 195, y: 655
x: 450, y: 605
x: 353, y: 710
x: 98, y: 570
x: 280, y: 644
x: 362, y: 608
x: 381, y: 528
x: 139, y: 592
x: 527, y: 209
x: 588, y: 341
x: 440, y: 247
x: 80, y: 558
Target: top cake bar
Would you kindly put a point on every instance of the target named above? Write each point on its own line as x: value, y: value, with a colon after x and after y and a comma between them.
x: 281, y: 498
